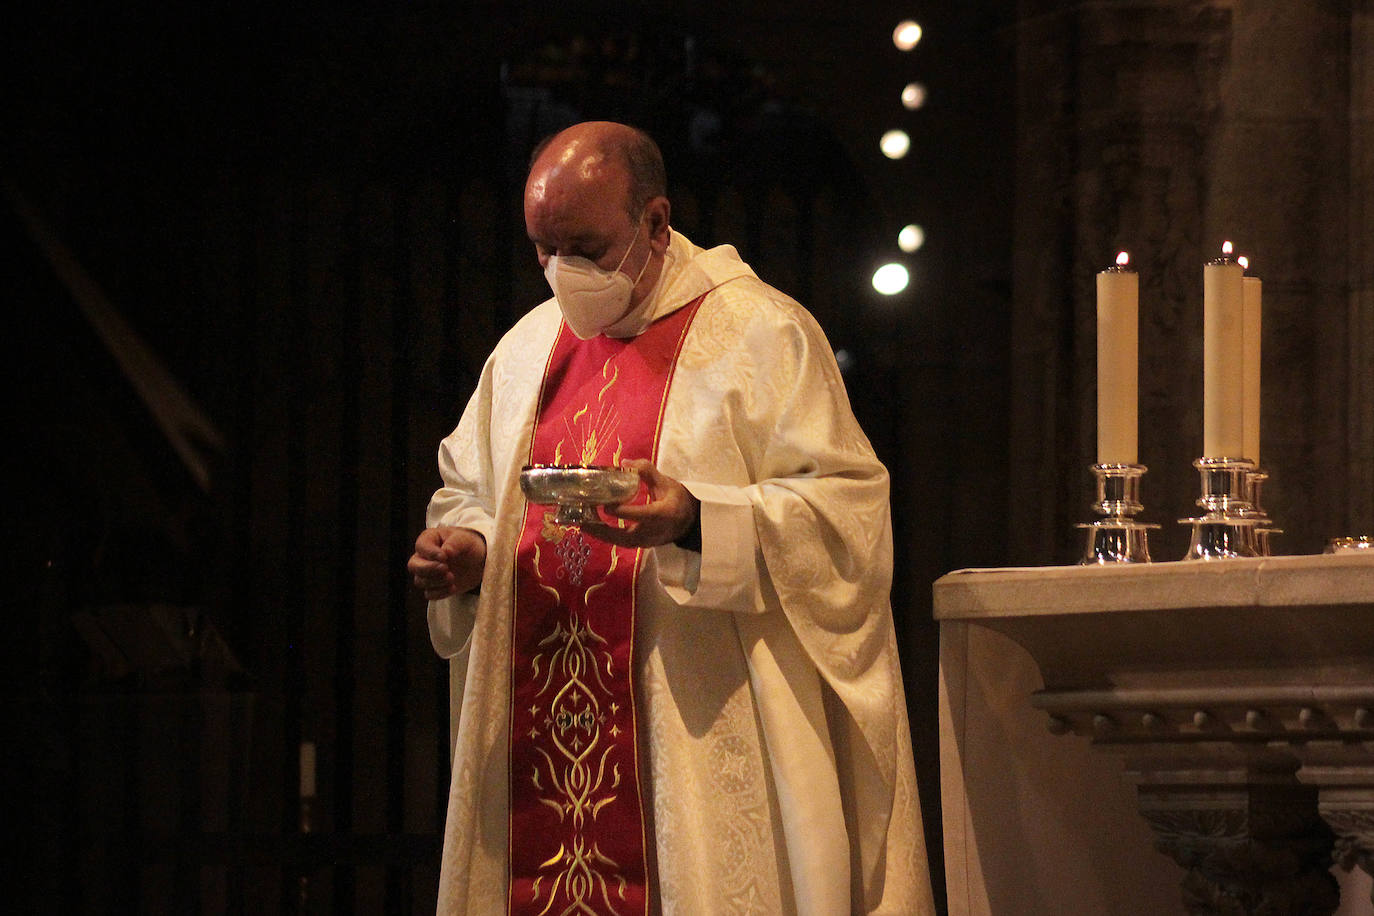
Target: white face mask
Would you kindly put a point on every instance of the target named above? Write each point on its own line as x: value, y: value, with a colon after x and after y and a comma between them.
x: 590, y: 298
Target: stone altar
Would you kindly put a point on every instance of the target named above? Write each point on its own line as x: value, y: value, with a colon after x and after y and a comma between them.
x: 1236, y: 697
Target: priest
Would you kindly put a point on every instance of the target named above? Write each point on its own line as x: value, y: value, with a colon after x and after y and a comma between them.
x: 692, y: 705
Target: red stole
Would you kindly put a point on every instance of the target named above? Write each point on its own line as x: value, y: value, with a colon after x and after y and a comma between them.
x: 577, y: 828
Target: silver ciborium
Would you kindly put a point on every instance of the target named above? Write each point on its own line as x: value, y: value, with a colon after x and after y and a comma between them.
x: 577, y: 490
x: 1117, y: 537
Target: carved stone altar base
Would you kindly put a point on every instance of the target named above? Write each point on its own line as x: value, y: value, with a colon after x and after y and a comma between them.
x: 1239, y: 697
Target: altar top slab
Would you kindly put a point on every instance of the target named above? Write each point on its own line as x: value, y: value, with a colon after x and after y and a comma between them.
x: 1322, y: 579
x: 1274, y: 620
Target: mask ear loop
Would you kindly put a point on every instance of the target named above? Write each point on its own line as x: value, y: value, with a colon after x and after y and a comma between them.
x: 639, y: 224
x: 667, y: 255
x: 647, y: 258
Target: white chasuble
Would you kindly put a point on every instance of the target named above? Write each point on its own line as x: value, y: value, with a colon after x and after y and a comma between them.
x: 775, y: 753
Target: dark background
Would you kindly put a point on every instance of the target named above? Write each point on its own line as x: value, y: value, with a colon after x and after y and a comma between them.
x: 256, y: 256
x: 311, y: 219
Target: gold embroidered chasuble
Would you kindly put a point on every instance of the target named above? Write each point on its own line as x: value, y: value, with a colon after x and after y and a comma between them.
x: 766, y: 667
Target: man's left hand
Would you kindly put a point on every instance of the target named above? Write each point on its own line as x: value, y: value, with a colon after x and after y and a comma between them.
x: 667, y: 516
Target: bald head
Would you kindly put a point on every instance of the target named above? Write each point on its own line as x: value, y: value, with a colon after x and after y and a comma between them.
x: 596, y: 150
x: 596, y: 191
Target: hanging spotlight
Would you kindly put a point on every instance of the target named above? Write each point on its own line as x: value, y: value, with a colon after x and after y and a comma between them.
x: 895, y: 144
x: 906, y: 35
x: 911, y: 238
x: 913, y: 96
x: 891, y: 279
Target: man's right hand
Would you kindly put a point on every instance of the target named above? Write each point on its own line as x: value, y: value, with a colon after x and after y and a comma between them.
x: 448, y: 561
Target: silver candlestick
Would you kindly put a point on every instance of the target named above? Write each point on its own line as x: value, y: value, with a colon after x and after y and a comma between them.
x: 1226, y: 529
x: 1117, y: 537
x: 1264, y: 529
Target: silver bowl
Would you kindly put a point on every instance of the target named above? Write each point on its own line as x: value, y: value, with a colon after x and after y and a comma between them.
x: 577, y: 489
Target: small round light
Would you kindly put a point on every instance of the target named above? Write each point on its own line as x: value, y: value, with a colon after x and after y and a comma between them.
x: 891, y: 279
x: 913, y: 96
x: 906, y: 35
x: 911, y: 238
x: 895, y: 144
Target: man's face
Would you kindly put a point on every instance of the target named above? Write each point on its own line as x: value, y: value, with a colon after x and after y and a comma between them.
x: 575, y: 206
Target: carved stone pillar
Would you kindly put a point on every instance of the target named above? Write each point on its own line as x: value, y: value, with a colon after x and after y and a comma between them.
x: 1345, y: 800
x: 1257, y: 846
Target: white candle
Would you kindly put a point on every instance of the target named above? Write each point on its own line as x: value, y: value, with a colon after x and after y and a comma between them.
x: 1118, y: 303
x: 1222, y: 295
x: 1250, y: 356
x: 307, y: 769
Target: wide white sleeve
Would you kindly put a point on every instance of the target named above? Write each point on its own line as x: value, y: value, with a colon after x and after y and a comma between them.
x: 796, y: 526
x: 823, y: 523
x: 724, y: 574
x: 806, y: 514
x: 797, y: 544
x: 465, y: 500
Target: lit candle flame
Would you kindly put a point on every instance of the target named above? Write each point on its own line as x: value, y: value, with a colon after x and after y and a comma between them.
x: 1122, y: 259
x: 1244, y: 262
x: 1227, y: 248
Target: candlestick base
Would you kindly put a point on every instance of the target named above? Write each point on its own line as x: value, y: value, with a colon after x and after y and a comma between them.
x: 1262, y: 535
x: 1118, y: 537
x: 1124, y: 541
x: 1265, y: 529
x: 1220, y: 538
x: 1227, y: 529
